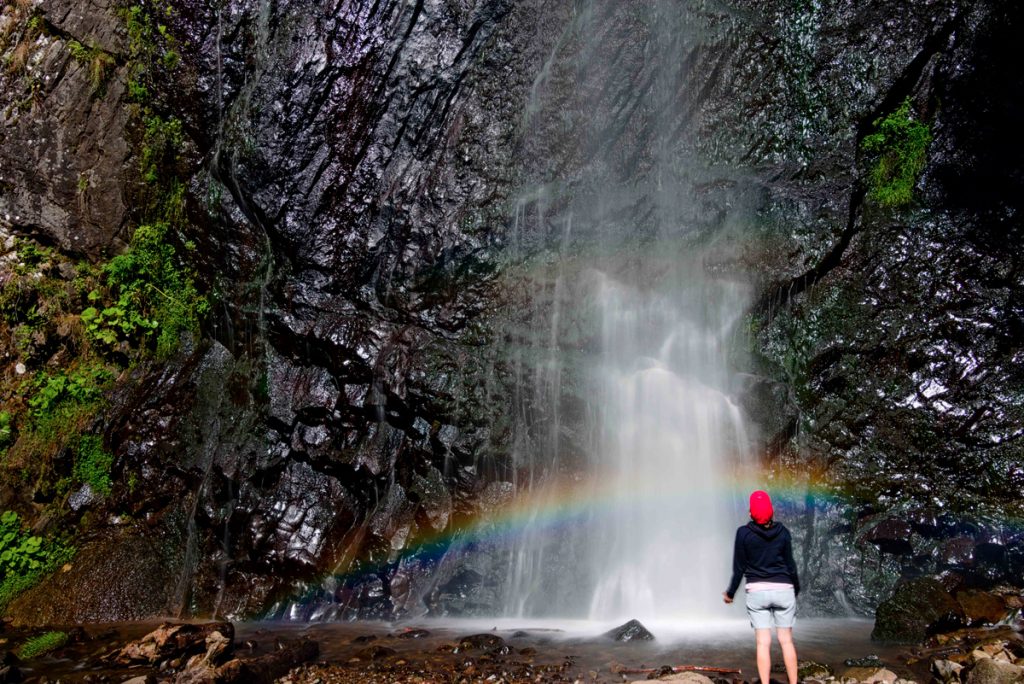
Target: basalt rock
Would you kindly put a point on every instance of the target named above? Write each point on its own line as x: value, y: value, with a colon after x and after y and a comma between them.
x: 903, y: 408
x: 891, y: 536
x: 67, y: 163
x: 981, y: 608
x: 354, y: 182
x: 917, y: 608
x: 630, y: 631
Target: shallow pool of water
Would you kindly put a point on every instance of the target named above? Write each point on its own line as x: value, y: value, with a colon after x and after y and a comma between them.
x: 727, y: 644
x: 720, y: 644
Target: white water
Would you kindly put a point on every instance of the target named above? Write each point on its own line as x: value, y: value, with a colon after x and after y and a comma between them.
x: 634, y: 491
x: 672, y: 441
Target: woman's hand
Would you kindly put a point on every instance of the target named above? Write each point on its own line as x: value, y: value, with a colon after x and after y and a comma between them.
x: 725, y: 597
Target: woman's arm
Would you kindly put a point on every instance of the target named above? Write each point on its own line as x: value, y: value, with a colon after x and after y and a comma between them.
x: 787, y: 555
x: 739, y: 564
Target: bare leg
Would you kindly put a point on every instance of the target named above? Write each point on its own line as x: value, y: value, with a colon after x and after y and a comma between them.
x: 785, y: 635
x: 764, y: 653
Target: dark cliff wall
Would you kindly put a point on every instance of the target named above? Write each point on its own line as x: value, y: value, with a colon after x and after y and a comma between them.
x: 351, y: 172
x: 896, y: 331
x: 348, y: 168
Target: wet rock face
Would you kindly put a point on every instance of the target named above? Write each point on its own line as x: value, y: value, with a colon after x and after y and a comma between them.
x: 896, y: 332
x: 352, y: 188
x: 917, y: 609
x: 64, y: 152
x: 348, y: 187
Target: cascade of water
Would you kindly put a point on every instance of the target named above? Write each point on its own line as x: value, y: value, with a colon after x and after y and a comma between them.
x: 671, y: 438
x: 631, y: 441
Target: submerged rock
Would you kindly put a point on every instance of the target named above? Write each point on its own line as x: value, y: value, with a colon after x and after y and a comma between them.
x: 809, y: 669
x: 413, y: 634
x: 375, y: 652
x: 630, y: 631
x: 691, y: 677
x: 267, y: 668
x: 483, y: 641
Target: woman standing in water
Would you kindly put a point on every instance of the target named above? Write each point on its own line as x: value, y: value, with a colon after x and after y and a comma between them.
x: 764, y: 553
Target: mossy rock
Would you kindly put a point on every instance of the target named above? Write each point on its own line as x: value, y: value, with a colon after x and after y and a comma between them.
x: 808, y: 669
x: 917, y: 609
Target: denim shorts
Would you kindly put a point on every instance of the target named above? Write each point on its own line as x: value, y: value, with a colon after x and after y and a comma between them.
x: 775, y: 608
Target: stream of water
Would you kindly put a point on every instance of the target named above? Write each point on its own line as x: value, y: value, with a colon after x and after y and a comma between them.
x: 635, y: 432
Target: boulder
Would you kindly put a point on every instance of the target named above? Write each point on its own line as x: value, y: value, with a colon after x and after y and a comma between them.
x: 992, y: 671
x: 981, y: 607
x: 870, y: 675
x: 689, y: 677
x: 170, y: 642
x: 946, y: 671
x: 630, y: 631
x: 916, y: 609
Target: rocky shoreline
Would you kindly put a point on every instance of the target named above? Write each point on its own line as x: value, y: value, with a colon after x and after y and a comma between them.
x: 367, y: 653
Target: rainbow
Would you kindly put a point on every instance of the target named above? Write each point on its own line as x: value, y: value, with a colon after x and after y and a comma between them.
x: 573, y: 501
x: 562, y: 504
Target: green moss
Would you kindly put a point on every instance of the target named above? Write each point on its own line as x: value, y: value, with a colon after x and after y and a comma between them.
x: 161, y: 142
x: 98, y: 62
x: 6, y: 430
x: 42, y: 644
x: 898, y: 148
x: 150, y: 44
x: 93, y: 464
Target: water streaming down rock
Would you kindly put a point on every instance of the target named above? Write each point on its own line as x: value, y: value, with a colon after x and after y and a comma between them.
x: 672, y: 439
x: 635, y: 443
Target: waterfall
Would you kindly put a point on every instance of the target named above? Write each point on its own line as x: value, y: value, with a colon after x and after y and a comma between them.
x: 631, y: 441
x: 671, y: 439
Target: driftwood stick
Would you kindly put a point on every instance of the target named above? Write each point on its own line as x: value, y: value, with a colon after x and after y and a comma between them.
x: 681, y: 668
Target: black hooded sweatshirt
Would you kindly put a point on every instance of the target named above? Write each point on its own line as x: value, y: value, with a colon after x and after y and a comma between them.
x: 763, y: 554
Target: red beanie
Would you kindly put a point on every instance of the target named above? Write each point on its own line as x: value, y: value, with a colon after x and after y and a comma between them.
x: 761, y: 507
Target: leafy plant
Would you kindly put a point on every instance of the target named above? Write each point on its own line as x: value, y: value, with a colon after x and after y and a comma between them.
x: 42, y: 644
x: 81, y: 386
x: 122, y: 319
x: 154, y: 292
x: 899, y: 147
x: 25, y: 558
